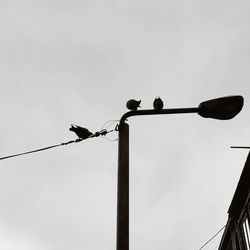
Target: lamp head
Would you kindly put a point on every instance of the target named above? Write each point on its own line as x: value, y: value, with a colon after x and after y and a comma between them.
x: 223, y: 108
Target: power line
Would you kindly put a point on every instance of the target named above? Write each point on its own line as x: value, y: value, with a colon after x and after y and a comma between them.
x: 212, y: 238
x: 102, y: 132
x: 29, y: 152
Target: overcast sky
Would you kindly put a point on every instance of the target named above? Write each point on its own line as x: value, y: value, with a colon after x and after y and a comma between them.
x: 64, y: 62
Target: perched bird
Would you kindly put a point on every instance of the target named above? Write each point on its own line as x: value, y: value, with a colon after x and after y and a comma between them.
x: 82, y: 133
x: 158, y: 103
x: 133, y: 104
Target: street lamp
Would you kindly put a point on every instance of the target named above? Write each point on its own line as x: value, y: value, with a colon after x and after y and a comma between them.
x: 223, y: 108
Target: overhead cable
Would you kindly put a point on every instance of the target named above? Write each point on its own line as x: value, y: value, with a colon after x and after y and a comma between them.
x: 102, y: 132
x: 212, y: 238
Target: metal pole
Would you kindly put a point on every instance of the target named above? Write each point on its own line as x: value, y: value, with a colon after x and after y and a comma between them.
x: 122, y: 237
x: 215, y: 108
x: 123, y: 189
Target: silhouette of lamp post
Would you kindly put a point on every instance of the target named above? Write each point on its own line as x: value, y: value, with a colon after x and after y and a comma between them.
x: 223, y: 108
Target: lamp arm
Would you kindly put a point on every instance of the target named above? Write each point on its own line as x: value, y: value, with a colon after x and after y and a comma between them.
x: 157, y: 112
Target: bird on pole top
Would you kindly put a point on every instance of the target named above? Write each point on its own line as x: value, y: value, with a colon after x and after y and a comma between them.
x: 133, y: 104
x: 158, y: 103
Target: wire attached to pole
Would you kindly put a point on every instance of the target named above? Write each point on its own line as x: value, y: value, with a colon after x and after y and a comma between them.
x: 29, y: 152
x: 102, y: 132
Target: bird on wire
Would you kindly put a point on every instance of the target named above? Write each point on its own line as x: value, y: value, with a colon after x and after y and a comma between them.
x: 82, y: 133
x: 158, y: 103
x: 133, y: 104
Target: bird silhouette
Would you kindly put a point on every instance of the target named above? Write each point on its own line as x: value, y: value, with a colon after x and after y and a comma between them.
x: 158, y: 103
x: 133, y: 104
x: 82, y: 133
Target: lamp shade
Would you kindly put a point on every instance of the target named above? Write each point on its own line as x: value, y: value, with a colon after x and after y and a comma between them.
x: 223, y: 108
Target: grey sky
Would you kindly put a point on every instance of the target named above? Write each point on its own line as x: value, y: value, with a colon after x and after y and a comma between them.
x: 66, y: 62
